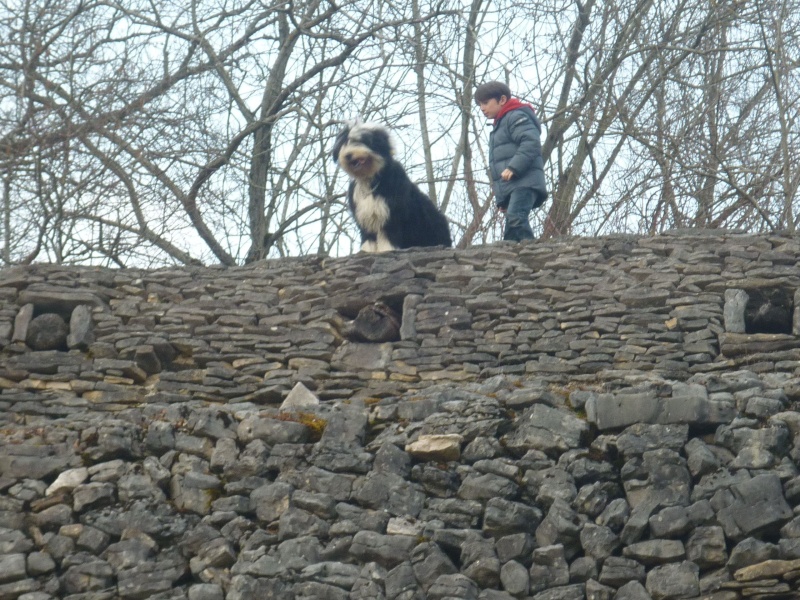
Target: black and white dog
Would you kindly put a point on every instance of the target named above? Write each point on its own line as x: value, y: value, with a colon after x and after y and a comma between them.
x: 390, y: 210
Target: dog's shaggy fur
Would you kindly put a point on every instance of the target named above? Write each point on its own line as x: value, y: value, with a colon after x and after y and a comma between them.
x: 390, y: 210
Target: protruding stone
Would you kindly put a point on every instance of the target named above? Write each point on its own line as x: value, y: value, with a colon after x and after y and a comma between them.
x: 767, y: 570
x: 733, y: 312
x: 68, y: 480
x: 21, y: 323
x: 81, y: 335
x: 299, y: 398
x: 437, y: 448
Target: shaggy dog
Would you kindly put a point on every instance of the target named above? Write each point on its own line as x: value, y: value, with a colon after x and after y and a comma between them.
x: 391, y: 212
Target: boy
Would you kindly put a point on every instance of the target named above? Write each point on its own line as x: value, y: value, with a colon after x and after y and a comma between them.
x: 515, y: 157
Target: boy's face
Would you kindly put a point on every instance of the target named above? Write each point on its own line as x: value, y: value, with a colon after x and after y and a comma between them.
x: 492, y: 106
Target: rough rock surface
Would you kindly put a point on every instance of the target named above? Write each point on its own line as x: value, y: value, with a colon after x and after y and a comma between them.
x: 599, y: 419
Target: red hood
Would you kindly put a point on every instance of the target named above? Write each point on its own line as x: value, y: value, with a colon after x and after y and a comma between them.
x: 511, y: 104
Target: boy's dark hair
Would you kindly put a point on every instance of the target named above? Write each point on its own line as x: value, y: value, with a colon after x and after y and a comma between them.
x: 492, y: 89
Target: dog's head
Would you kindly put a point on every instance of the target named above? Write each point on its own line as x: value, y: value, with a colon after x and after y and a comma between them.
x: 362, y: 149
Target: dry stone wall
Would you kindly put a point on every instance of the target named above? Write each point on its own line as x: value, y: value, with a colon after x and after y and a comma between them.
x: 609, y: 418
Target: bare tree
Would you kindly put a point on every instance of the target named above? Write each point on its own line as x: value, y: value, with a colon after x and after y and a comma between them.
x: 163, y: 102
x: 777, y: 24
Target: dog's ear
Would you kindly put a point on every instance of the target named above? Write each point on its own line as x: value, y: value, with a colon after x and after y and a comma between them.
x: 382, y: 140
x: 340, y: 140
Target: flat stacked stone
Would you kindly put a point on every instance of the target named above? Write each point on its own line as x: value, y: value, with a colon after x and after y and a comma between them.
x: 568, y: 419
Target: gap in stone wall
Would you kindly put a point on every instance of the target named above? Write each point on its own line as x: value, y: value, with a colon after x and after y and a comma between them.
x: 43, y: 327
x: 377, y: 322
x: 53, y: 326
x: 769, y: 310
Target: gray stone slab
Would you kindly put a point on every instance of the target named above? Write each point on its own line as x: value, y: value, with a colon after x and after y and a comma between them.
x: 609, y: 411
x: 753, y: 507
x: 547, y: 429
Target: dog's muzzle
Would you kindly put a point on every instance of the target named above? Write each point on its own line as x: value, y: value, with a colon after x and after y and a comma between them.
x: 355, y: 161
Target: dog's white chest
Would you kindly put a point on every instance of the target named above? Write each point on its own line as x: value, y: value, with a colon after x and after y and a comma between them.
x: 372, y: 212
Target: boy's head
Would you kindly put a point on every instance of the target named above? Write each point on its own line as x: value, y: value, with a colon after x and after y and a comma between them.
x: 491, y: 97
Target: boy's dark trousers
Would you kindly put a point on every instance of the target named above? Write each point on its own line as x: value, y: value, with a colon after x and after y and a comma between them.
x: 518, y: 207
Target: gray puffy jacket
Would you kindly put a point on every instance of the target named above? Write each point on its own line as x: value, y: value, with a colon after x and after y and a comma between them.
x: 515, y: 143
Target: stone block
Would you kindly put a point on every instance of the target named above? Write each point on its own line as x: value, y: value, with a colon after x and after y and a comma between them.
x: 386, y: 550
x: 610, y: 411
x: 733, y: 310
x: 676, y: 580
x: 547, y: 429
x: 437, y: 448
x: 753, y: 507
